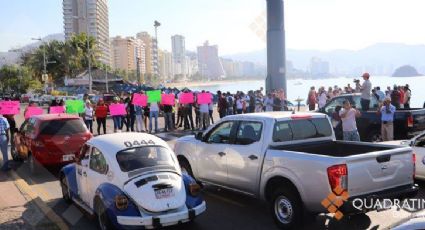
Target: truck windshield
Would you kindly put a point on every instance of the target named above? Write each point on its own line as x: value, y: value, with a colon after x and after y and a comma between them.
x: 301, y: 129
x: 143, y: 157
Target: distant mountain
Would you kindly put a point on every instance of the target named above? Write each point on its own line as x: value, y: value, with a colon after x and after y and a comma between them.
x: 380, y: 58
x: 13, y: 56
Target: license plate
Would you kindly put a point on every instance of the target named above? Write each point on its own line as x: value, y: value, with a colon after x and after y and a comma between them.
x: 68, y: 157
x: 164, y: 193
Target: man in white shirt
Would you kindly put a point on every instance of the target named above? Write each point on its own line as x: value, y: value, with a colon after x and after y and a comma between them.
x: 268, y: 102
x: 349, y: 126
x: 365, y: 89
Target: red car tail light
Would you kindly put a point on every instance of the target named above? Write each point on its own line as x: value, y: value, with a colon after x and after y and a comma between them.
x: 337, y: 175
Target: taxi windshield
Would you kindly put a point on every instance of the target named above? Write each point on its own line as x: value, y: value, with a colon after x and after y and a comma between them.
x: 144, y: 157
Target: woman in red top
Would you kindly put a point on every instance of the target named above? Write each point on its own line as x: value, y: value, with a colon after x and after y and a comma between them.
x: 101, y: 113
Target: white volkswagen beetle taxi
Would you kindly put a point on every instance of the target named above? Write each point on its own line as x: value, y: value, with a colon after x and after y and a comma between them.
x: 131, y: 180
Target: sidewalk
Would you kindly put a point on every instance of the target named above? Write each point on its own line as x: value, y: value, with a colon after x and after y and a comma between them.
x: 17, y: 209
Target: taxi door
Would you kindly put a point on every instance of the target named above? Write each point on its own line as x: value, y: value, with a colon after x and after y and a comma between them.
x: 96, y: 174
x: 81, y: 165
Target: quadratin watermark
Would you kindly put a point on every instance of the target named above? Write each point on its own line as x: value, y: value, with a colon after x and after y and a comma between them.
x: 336, y: 199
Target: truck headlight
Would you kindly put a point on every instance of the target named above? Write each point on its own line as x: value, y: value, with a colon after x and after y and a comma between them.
x: 121, y: 202
x: 194, y: 189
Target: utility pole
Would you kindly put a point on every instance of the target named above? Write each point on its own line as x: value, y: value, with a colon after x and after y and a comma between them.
x: 44, y: 76
x: 276, y: 59
x: 156, y: 63
x: 88, y: 48
x: 106, y: 79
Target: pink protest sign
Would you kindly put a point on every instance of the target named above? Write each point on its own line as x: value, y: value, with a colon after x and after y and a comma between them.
x: 140, y: 99
x: 57, y: 109
x: 167, y: 99
x: 204, y: 98
x: 117, y: 109
x: 9, y: 107
x: 186, y: 98
x: 33, y: 111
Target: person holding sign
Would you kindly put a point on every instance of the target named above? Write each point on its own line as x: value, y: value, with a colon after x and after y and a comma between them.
x: 101, y: 113
x: 116, y: 118
x: 154, y: 113
x: 88, y: 116
x: 205, y: 114
x: 4, y: 140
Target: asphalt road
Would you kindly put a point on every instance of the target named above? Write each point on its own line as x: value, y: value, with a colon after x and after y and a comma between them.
x: 225, y: 209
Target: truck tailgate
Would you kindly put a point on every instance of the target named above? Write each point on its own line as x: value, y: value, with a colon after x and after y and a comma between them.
x: 379, y: 170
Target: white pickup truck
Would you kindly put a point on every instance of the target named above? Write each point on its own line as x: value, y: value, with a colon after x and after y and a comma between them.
x: 294, y: 162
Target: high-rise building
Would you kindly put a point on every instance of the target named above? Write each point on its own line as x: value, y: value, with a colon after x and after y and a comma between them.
x: 318, y: 67
x: 209, y: 63
x: 90, y: 17
x: 128, y: 54
x: 166, y: 70
x: 148, y: 41
x: 179, y: 54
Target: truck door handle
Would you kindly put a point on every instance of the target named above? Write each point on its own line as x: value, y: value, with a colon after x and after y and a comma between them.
x: 84, y: 174
x: 253, y: 157
x: 221, y: 154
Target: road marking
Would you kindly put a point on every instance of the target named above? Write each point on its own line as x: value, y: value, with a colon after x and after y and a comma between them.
x: 50, y: 214
x: 224, y: 199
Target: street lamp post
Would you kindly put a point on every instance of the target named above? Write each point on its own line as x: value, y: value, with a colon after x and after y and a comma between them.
x: 156, y: 24
x: 44, y: 76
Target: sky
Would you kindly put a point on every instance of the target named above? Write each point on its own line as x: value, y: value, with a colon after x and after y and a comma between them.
x: 309, y: 24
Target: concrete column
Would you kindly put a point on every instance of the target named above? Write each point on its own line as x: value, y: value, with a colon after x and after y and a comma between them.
x: 276, y: 60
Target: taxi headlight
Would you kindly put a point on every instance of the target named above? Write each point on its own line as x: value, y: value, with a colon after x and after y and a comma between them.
x: 194, y: 189
x: 121, y: 202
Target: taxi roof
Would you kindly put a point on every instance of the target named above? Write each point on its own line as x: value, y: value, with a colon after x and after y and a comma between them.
x: 110, y: 144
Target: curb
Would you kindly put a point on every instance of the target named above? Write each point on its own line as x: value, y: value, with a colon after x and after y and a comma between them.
x: 50, y: 214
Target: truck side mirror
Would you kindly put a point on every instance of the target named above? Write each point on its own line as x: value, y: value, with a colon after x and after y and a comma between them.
x: 198, y: 136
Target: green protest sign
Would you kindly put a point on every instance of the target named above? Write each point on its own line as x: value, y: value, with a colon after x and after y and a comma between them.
x: 154, y: 96
x: 74, y: 106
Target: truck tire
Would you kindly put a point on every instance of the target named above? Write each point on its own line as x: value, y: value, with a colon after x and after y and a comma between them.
x: 286, y: 208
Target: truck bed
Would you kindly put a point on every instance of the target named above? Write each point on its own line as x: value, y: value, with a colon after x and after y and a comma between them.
x: 334, y: 148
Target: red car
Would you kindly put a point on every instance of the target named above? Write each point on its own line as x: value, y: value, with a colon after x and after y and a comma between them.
x: 50, y: 139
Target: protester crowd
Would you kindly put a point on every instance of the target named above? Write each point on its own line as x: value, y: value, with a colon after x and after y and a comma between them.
x: 345, y: 115
x: 186, y: 116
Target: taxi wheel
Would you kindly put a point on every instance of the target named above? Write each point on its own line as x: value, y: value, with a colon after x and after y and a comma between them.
x: 102, y: 217
x: 286, y: 208
x: 65, y: 190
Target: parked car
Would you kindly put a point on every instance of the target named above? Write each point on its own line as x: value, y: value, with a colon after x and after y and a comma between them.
x: 131, y: 180
x: 407, y: 122
x: 108, y: 98
x: 49, y: 139
x: 418, y: 145
x: 293, y: 162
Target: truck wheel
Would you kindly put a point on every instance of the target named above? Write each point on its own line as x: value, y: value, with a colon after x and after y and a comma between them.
x: 286, y: 208
x: 65, y: 190
x: 102, y: 217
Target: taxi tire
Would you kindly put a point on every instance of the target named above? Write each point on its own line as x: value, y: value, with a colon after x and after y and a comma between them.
x: 102, y: 216
x: 65, y: 190
x: 291, y: 197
